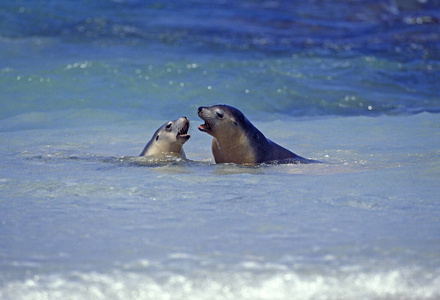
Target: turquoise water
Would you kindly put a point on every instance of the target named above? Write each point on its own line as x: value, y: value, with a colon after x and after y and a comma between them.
x: 352, y: 83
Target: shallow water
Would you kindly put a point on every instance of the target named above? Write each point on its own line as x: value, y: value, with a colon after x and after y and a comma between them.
x: 81, y: 221
x: 84, y: 87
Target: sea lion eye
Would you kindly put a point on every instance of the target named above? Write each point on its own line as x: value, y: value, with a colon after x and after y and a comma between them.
x: 168, y: 127
x: 219, y: 115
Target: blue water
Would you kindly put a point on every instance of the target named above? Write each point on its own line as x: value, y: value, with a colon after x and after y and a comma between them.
x: 354, y: 84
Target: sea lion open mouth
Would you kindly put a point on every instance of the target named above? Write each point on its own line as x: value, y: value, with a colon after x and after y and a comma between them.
x: 183, y: 132
x: 205, y: 127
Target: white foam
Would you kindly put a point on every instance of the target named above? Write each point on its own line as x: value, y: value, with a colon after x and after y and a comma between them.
x: 394, y: 284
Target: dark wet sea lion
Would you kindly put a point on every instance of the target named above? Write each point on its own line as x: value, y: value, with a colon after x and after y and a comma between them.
x: 237, y: 140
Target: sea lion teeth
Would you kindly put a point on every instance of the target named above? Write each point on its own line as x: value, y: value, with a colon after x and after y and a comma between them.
x: 204, y: 127
x: 183, y: 132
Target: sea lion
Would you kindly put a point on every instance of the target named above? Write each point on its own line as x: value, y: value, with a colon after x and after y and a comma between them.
x: 236, y: 140
x: 169, y: 139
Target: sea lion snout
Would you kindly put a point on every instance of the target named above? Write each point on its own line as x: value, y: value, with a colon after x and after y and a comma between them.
x: 207, y: 126
x: 182, y: 130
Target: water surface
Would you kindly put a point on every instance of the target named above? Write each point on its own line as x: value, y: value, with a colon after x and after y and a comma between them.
x: 353, y: 84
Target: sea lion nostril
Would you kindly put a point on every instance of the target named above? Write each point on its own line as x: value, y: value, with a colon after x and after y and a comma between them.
x: 199, y: 109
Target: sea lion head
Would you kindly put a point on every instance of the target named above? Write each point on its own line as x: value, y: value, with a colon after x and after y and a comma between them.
x: 221, y: 118
x: 173, y: 132
x: 169, y: 138
x: 233, y: 135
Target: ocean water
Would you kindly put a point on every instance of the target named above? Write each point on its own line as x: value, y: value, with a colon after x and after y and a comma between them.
x: 353, y: 84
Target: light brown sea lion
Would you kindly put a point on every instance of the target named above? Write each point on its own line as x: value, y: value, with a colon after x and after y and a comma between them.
x: 168, y: 139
